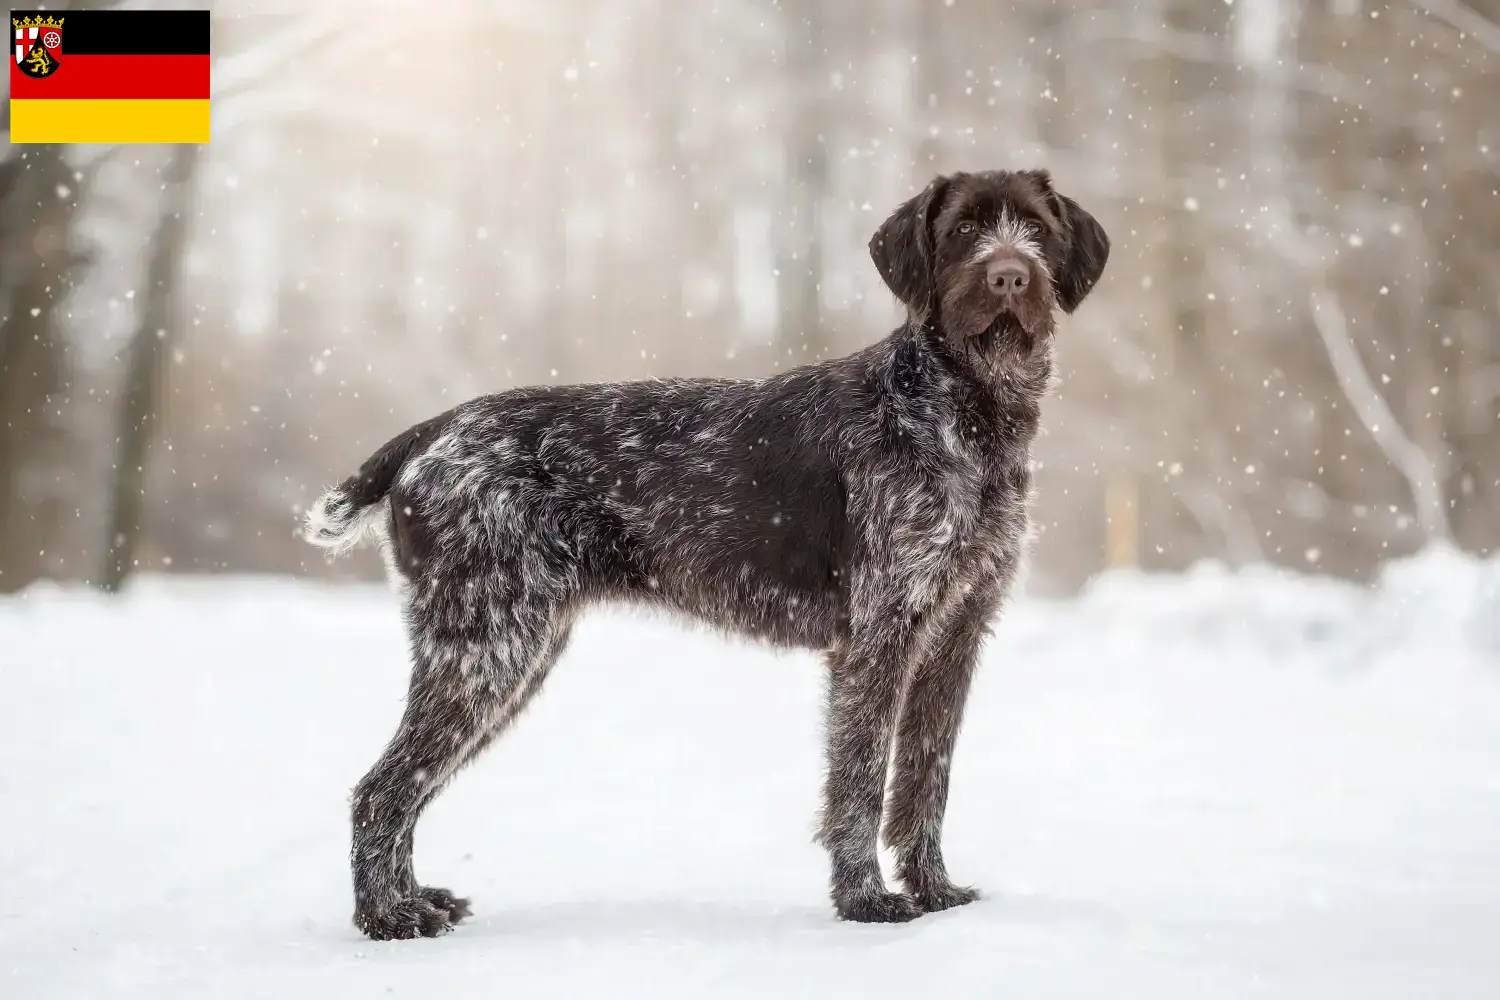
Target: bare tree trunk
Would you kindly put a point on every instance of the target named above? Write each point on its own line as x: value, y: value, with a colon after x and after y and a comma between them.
x: 1167, y: 326
x: 146, y: 358
x: 801, y: 332
x: 931, y: 20
x: 478, y: 277
x: 556, y: 118
x: 1198, y: 432
x: 37, y: 201
x: 668, y: 112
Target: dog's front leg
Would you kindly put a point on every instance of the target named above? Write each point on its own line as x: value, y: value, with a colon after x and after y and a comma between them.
x: 931, y: 714
x: 864, y: 694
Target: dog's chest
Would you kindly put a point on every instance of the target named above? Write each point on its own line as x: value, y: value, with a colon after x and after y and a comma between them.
x: 987, y: 497
x: 965, y: 519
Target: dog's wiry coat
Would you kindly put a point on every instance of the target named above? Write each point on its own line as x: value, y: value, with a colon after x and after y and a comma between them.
x: 872, y: 508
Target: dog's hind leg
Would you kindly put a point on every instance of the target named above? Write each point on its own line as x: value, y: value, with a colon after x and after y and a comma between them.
x: 478, y: 661
x: 512, y: 710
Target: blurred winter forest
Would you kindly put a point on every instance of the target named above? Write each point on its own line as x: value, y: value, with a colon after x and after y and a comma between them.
x: 1294, y: 355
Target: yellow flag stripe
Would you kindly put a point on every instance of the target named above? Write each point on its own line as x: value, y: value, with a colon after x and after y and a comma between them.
x: 109, y: 121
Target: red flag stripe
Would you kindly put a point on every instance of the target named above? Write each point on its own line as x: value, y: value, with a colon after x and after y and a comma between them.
x: 138, y: 77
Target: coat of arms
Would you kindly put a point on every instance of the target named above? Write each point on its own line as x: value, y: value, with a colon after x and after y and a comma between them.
x: 38, y: 44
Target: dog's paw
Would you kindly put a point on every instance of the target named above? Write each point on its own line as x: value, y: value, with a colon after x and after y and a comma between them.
x: 457, y: 907
x: 878, y: 908
x: 944, y: 896
x: 425, y: 913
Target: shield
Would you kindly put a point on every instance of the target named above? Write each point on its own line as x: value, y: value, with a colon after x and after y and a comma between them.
x: 38, y: 45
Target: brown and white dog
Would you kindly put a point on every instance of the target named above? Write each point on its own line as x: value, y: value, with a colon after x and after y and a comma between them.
x: 872, y: 508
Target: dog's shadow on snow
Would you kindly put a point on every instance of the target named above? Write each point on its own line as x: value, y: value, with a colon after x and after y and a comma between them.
x: 664, y: 920
x: 674, y: 920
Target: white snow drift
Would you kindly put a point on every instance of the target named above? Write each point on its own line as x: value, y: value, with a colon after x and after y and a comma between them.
x: 1216, y: 785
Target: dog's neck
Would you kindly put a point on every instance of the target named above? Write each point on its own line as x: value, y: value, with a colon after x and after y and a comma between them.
x: 995, y: 397
x: 993, y: 365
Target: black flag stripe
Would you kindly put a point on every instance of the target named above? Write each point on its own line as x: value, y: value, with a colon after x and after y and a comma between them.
x: 128, y: 32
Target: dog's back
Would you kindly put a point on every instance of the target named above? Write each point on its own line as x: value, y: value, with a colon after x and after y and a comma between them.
x: 720, y: 498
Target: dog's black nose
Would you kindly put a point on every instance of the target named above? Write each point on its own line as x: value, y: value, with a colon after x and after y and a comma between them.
x: 1008, y: 276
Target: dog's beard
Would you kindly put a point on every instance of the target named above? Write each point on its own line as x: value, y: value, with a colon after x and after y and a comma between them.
x: 1010, y: 336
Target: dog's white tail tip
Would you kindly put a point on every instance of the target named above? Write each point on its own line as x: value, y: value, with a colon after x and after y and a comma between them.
x: 336, y: 523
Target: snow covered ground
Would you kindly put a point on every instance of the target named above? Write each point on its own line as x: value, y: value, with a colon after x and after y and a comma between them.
x: 1205, y: 786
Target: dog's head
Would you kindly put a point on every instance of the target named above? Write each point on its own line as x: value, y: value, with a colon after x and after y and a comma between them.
x: 986, y: 258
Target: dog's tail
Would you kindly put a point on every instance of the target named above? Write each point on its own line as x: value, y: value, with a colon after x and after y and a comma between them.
x: 343, y: 515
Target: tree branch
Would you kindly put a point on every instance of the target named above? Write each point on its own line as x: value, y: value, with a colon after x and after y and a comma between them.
x: 1422, y: 472
x: 1465, y: 19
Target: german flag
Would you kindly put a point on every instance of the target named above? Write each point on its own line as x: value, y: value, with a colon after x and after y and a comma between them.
x: 109, y: 76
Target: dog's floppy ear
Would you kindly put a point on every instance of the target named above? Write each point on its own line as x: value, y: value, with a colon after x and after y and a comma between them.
x: 1085, y: 251
x: 902, y: 248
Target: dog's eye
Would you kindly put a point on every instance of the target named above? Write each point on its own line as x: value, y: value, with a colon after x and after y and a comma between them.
x: 965, y: 228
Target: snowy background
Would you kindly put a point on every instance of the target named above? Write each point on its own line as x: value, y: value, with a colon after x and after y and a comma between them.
x: 1241, y: 736
x: 1293, y: 356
